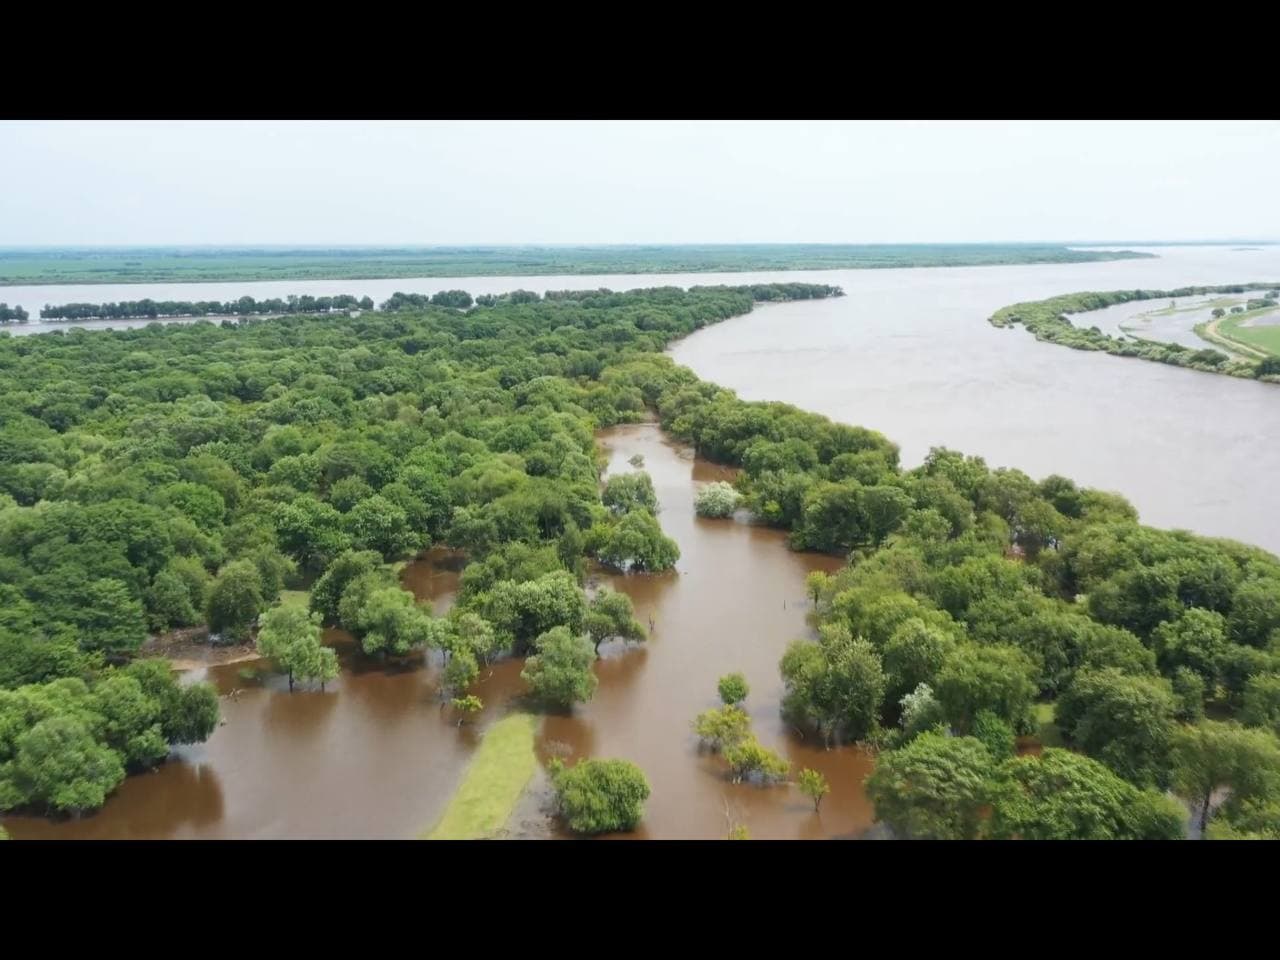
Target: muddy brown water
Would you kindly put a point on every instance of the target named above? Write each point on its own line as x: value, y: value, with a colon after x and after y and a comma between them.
x: 374, y: 756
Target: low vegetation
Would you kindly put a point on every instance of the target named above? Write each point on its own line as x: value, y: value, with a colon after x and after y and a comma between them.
x: 1050, y: 320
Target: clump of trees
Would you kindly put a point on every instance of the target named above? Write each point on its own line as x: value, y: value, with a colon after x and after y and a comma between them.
x: 66, y: 744
x: 14, y: 314
x: 939, y: 787
x: 290, y: 635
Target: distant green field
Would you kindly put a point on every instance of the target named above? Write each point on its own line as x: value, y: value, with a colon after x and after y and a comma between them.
x: 1263, y: 337
x: 189, y: 265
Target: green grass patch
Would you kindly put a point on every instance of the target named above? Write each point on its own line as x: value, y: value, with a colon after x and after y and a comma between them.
x: 294, y: 598
x: 1047, y: 731
x: 496, y: 777
x: 1265, y: 338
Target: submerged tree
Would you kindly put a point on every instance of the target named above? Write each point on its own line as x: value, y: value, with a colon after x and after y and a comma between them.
x: 560, y: 672
x: 814, y: 786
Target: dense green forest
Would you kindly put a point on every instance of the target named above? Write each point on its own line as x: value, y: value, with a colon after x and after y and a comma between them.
x: 179, y: 475
x: 168, y: 264
x: 1049, y: 320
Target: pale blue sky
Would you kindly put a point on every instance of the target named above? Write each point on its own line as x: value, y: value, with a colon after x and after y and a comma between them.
x: 456, y: 182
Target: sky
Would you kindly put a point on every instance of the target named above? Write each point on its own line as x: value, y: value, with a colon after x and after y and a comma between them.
x: 517, y: 182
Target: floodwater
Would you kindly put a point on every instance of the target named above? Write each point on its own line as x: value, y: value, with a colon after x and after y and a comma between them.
x: 910, y: 353
x: 374, y: 756
x: 736, y: 599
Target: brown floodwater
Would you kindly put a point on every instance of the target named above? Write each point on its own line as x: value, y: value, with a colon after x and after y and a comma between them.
x: 375, y: 756
x: 735, y: 600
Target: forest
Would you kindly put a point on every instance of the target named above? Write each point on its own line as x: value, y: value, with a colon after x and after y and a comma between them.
x: 193, y: 264
x: 1049, y: 320
x: 182, y: 475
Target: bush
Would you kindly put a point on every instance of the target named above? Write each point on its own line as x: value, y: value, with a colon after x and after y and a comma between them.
x: 600, y: 796
x: 717, y: 499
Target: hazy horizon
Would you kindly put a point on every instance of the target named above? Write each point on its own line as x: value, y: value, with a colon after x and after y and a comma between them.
x: 401, y: 184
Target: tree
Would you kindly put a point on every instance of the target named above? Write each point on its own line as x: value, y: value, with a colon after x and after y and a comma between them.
x: 934, y: 788
x: 814, y: 786
x: 1061, y: 795
x: 600, y: 796
x: 815, y: 582
x: 610, y: 614
x: 520, y: 612
x: 1188, y: 694
x: 466, y: 707
x: 1212, y: 755
x: 130, y: 721
x: 1197, y: 640
x: 921, y: 711
x: 58, y: 765
x: 733, y: 689
x: 111, y: 619
x: 188, y: 712
x: 1262, y: 702
x: 290, y: 635
x: 749, y: 760
x: 391, y: 623
x: 995, y: 678
x: 996, y: 735
x: 327, y: 591
x: 1255, y: 612
x: 626, y: 492
x: 914, y: 654
x: 1124, y: 721
x: 461, y: 671
x: 235, y: 599
x: 377, y: 523
x: 170, y: 602
x: 835, y: 687
x: 717, y: 500
x: 636, y: 542
x: 560, y: 672
x: 722, y: 726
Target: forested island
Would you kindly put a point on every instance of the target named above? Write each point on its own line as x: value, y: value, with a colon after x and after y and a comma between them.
x: 180, y: 475
x: 193, y: 264
x: 1050, y: 320
x: 294, y: 304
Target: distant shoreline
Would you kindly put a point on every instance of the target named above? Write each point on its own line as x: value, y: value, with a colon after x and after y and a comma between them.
x: 80, y: 266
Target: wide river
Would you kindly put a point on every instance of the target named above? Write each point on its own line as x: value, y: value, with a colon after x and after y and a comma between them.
x: 907, y: 352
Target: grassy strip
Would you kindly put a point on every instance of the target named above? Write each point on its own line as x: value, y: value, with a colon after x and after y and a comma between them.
x: 294, y: 598
x: 1264, y: 340
x: 496, y: 777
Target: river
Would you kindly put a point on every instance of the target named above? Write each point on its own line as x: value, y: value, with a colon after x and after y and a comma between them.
x: 907, y: 352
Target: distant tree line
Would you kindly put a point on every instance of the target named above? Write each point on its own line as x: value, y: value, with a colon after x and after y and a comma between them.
x: 245, y: 306
x: 14, y: 314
